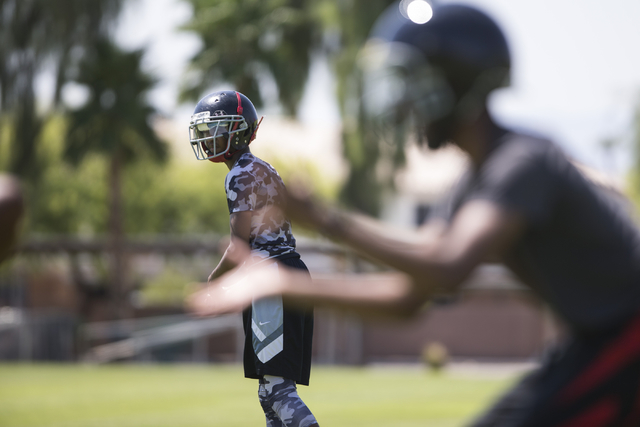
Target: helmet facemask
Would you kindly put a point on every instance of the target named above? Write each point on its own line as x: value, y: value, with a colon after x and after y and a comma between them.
x: 403, y: 93
x: 206, y: 133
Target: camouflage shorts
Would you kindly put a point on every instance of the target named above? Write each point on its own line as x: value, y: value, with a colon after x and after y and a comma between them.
x: 282, y: 405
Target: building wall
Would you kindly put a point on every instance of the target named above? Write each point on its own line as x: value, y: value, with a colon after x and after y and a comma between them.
x: 478, y: 325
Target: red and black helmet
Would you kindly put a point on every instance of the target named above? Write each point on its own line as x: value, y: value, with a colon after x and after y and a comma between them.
x: 227, y: 114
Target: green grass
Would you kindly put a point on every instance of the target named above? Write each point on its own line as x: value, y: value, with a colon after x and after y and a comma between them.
x: 46, y: 395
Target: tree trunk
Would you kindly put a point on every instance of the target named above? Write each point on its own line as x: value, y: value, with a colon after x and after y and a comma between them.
x: 120, y: 304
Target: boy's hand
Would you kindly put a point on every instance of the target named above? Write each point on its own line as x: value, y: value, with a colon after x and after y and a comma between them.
x: 305, y: 210
x: 234, y: 291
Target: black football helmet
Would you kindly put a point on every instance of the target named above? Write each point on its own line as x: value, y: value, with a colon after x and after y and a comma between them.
x: 431, y: 76
x: 222, y: 124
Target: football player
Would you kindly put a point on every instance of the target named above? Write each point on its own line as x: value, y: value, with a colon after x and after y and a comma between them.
x: 522, y: 202
x: 277, y: 348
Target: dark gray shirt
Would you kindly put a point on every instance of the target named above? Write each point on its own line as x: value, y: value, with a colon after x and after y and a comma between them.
x: 254, y: 185
x: 581, y: 249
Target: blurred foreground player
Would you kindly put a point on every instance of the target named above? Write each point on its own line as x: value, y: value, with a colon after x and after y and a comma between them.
x: 278, y: 340
x: 11, y: 211
x: 521, y: 203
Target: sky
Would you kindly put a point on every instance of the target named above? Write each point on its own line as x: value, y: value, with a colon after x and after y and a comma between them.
x: 576, y: 70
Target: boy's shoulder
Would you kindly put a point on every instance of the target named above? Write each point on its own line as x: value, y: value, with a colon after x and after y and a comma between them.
x: 250, y: 166
x: 517, y: 150
x: 245, y: 164
x: 527, y: 141
x: 250, y: 162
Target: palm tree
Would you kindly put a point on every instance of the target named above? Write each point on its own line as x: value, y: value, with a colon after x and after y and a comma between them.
x: 246, y: 40
x: 35, y: 34
x: 363, y: 151
x: 115, y: 123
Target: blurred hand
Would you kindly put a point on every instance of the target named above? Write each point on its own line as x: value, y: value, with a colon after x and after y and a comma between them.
x: 302, y: 208
x: 212, y: 298
x: 234, y: 291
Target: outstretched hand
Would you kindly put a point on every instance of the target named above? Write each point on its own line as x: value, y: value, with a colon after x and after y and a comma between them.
x: 234, y: 291
x: 303, y: 208
x: 253, y: 279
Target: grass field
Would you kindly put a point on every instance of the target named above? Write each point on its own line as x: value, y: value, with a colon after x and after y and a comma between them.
x: 197, y: 396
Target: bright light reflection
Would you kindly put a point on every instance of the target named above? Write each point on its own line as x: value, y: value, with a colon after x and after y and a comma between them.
x: 419, y: 11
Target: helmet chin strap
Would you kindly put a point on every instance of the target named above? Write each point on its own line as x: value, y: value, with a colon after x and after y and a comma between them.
x: 219, y: 159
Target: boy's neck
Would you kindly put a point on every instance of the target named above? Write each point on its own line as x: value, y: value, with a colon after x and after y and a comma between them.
x: 232, y: 161
x: 478, y: 138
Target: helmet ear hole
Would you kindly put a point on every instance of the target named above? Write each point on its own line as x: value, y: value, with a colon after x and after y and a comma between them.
x: 236, y: 142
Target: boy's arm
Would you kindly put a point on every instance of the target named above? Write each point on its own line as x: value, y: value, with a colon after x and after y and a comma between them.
x: 438, y: 258
x: 480, y: 228
x: 375, y: 295
x: 240, y: 225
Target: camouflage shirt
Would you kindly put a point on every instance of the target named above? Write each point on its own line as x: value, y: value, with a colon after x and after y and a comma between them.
x: 254, y: 185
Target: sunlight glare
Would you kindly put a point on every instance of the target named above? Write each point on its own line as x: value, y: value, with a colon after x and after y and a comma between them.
x: 419, y: 11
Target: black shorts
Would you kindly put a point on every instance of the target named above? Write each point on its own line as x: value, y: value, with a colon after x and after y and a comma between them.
x: 592, y: 380
x: 278, y: 338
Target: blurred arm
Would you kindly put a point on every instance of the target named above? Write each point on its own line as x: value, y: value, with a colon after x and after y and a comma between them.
x: 438, y: 257
x: 371, y: 295
x: 375, y: 295
x: 240, y: 224
x: 431, y: 265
